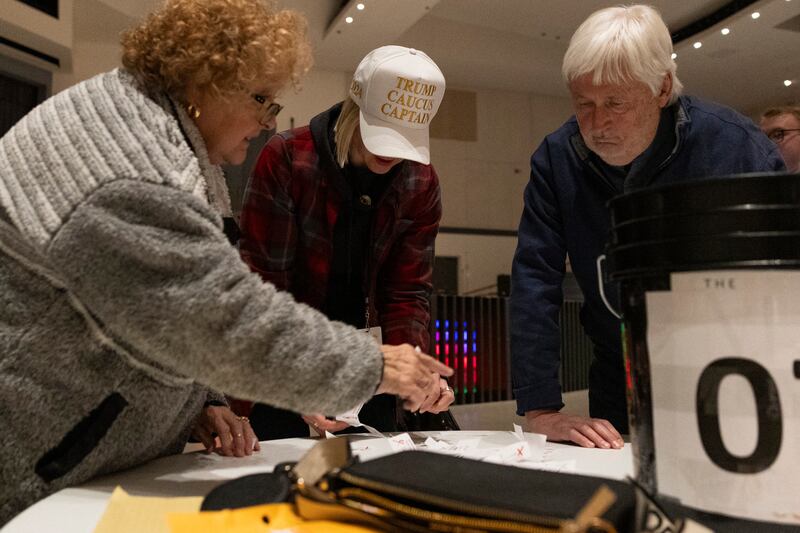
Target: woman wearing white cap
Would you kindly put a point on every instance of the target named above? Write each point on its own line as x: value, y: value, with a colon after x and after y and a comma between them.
x: 343, y: 213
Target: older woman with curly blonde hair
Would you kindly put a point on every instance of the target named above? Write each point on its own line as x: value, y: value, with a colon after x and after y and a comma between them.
x: 123, y: 304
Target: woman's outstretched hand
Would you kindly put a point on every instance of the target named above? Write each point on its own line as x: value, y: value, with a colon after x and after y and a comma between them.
x: 410, y: 374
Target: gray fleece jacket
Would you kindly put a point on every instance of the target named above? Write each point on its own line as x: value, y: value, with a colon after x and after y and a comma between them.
x: 121, y: 300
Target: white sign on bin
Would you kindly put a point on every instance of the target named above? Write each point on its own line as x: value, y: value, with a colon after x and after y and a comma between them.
x: 724, y: 352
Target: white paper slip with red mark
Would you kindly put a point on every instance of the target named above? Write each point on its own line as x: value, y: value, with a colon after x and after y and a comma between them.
x: 351, y: 417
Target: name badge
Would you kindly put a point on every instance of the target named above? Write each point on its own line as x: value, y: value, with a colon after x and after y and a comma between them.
x: 375, y: 333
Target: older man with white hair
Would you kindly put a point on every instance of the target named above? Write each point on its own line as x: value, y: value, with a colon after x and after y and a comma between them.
x: 631, y: 129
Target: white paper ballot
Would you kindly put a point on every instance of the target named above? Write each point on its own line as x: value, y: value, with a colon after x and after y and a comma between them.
x: 457, y: 449
x: 351, y: 417
x: 513, y: 453
x: 536, y: 442
x: 402, y: 443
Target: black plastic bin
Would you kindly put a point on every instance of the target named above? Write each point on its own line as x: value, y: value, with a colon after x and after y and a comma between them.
x: 736, y: 222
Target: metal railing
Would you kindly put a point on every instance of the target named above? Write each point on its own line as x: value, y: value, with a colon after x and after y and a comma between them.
x: 470, y: 334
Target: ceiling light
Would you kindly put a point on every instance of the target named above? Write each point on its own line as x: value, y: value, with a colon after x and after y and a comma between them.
x: 725, y: 31
x: 755, y: 15
x: 349, y: 20
x: 698, y: 44
x: 674, y: 55
x: 360, y: 7
x: 787, y: 82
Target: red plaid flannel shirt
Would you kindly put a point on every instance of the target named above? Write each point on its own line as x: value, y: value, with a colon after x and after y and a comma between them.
x: 289, y: 212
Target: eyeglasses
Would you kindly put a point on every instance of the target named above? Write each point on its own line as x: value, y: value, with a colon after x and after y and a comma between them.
x: 267, y: 109
x: 778, y: 135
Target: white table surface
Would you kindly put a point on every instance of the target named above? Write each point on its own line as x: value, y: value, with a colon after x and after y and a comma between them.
x: 78, y: 509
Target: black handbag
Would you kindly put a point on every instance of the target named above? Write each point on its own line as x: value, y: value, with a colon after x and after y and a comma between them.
x: 423, y: 491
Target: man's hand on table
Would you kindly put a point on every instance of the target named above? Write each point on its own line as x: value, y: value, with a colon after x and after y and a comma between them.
x: 221, y: 431
x: 586, y: 432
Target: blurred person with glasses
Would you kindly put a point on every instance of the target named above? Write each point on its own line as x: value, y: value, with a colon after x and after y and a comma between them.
x: 782, y: 126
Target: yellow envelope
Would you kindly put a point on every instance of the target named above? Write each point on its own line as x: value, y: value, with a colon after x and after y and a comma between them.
x: 134, y: 514
x: 256, y: 519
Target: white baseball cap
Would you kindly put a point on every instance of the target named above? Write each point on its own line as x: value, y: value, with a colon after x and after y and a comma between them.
x: 398, y: 91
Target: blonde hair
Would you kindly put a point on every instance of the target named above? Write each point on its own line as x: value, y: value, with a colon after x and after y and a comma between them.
x: 222, y: 47
x: 344, y: 130
x: 621, y: 44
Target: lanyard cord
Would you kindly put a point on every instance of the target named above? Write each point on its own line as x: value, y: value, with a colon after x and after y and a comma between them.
x: 367, y: 281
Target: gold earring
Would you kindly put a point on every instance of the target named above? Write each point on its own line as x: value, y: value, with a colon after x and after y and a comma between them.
x: 193, y: 111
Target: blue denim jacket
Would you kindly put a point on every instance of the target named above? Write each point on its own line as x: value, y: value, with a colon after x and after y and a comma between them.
x: 565, y: 213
